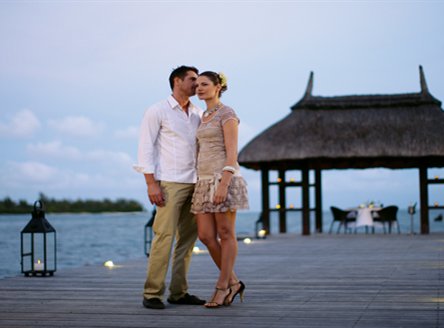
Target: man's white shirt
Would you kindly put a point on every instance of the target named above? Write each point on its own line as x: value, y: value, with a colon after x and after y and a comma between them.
x: 167, y: 142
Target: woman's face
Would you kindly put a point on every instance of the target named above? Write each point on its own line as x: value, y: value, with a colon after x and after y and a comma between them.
x: 206, y: 89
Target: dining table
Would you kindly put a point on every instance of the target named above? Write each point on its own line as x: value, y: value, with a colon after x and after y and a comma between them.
x: 365, y: 216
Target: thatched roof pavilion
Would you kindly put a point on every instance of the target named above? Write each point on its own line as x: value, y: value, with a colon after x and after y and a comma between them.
x: 357, y: 131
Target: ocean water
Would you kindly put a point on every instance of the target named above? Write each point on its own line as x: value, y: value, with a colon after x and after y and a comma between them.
x: 88, y: 239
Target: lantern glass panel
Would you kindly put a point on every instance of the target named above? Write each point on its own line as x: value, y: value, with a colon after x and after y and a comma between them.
x: 39, y: 252
x: 148, y: 233
x: 27, y: 252
x: 50, y: 251
x: 148, y: 236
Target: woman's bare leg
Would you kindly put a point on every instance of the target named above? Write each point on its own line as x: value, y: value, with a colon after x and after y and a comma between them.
x: 208, y: 235
x: 225, y: 224
x: 207, y: 231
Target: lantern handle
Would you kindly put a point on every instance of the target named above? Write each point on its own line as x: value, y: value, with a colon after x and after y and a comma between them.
x: 38, y: 205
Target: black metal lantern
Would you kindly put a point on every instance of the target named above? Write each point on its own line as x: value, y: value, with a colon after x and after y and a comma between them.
x: 38, y: 245
x: 412, y: 210
x: 260, y: 231
x: 148, y: 233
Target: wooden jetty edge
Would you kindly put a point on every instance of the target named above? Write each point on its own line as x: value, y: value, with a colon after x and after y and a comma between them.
x: 292, y: 281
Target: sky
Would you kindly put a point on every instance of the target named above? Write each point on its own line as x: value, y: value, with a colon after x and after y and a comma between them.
x: 76, y: 77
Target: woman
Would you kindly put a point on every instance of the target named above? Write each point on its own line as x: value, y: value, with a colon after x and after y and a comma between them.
x: 220, y: 190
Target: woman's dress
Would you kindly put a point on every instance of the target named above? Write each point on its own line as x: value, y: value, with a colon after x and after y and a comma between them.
x: 211, y: 159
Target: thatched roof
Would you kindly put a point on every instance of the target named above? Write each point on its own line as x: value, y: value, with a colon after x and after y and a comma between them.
x: 358, y: 131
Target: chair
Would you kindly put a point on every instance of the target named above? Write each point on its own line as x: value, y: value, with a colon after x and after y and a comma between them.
x: 388, y: 216
x: 342, y: 217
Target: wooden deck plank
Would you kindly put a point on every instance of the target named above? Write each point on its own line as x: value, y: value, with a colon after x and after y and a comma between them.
x: 292, y: 281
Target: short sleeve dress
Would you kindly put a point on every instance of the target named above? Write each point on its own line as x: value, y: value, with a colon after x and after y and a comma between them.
x: 210, y: 161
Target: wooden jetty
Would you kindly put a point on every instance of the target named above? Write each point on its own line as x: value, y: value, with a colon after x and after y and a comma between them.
x: 292, y: 281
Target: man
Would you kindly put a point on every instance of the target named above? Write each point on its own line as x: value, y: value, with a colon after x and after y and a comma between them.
x: 166, y: 157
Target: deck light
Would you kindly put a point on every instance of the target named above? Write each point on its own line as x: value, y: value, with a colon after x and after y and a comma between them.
x: 197, y: 250
x: 262, y: 233
x: 109, y: 264
x: 38, y: 245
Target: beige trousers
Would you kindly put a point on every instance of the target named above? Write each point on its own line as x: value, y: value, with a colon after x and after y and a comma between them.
x: 173, y: 221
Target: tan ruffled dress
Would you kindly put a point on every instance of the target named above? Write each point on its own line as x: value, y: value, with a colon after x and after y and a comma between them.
x: 210, y: 161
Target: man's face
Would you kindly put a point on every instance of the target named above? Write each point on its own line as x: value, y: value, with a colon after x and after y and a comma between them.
x: 188, y: 84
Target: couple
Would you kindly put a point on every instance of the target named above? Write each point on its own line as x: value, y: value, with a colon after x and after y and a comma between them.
x: 179, y: 145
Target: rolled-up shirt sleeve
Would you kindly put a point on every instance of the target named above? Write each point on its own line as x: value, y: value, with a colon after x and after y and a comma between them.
x: 149, y: 131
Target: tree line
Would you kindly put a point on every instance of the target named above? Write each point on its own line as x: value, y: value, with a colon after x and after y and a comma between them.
x: 51, y: 205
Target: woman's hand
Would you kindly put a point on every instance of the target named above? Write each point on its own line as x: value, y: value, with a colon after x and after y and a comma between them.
x: 221, y: 193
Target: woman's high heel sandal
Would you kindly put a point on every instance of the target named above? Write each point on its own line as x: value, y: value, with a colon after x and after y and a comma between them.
x: 213, y: 303
x: 239, y: 291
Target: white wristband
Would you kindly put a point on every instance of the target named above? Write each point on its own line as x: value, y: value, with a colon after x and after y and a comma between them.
x: 229, y: 169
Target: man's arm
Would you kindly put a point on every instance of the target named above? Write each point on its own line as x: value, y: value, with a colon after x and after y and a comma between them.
x: 149, y: 131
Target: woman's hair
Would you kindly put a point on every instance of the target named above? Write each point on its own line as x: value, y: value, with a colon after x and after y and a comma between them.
x: 217, y: 78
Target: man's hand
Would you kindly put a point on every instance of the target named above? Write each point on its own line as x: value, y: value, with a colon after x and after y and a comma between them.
x: 155, y: 194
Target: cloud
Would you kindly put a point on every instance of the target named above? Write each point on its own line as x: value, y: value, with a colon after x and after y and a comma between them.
x: 110, y: 157
x: 131, y: 132
x: 77, y: 126
x: 24, y: 180
x: 33, y: 172
x: 37, y: 176
x: 23, y: 124
x: 57, y: 150
x: 54, y: 149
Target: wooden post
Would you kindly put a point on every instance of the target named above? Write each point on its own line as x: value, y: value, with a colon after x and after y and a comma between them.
x: 265, y: 200
x: 424, y: 200
x: 318, y: 200
x: 282, y: 203
x: 305, y: 203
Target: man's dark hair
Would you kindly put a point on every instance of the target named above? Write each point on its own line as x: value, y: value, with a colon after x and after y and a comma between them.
x: 181, y: 72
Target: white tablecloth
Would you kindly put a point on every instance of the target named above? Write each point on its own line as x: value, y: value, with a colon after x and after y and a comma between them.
x: 365, y: 216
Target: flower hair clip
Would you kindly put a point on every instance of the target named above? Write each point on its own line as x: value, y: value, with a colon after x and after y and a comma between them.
x: 223, y: 79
